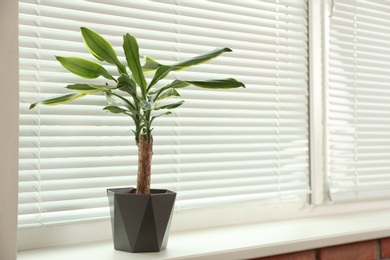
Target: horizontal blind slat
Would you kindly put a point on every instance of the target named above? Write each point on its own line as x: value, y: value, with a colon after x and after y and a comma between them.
x: 253, y: 143
x: 358, y: 101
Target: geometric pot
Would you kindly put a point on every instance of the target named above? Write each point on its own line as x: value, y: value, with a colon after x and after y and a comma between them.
x: 140, y: 223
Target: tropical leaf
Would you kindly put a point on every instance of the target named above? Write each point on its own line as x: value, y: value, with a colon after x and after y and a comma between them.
x: 88, y: 88
x: 173, y: 85
x: 163, y: 70
x: 170, y: 106
x: 149, y: 65
x: 128, y: 85
x: 177, y: 83
x: 83, y: 67
x: 161, y: 73
x: 101, y: 48
x: 115, y: 99
x: 163, y: 114
x: 200, y: 59
x: 116, y: 110
x: 147, y: 105
x: 119, y: 110
x: 130, y: 46
x: 171, y: 92
x: 217, y: 83
x: 58, y: 100
x: 210, y: 84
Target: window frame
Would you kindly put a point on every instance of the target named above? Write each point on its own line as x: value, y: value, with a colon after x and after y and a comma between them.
x: 9, y: 78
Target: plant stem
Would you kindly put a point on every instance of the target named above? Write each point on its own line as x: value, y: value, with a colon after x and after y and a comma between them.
x: 145, y: 152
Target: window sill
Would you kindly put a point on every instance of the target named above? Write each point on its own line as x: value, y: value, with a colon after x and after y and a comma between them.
x: 240, y: 241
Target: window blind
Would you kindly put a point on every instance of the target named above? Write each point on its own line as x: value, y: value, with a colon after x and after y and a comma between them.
x: 359, y: 100
x: 220, y: 147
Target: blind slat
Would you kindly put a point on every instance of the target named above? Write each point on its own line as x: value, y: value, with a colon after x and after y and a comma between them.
x: 220, y: 147
x: 359, y: 58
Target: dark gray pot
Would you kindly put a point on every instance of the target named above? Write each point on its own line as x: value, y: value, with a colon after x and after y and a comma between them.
x: 140, y: 223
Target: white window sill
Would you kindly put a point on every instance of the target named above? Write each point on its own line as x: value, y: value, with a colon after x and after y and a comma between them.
x: 239, y: 241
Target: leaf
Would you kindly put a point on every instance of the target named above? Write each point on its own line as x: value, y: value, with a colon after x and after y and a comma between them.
x: 217, y: 84
x: 58, y: 100
x: 88, y: 88
x: 173, y: 85
x: 200, y: 59
x: 116, y: 110
x: 163, y: 114
x: 119, y: 110
x: 130, y: 46
x: 99, y: 47
x: 177, y: 83
x: 170, y: 106
x: 83, y: 67
x: 83, y: 88
x: 111, y: 99
x: 210, y: 84
x: 164, y: 70
x: 147, y: 105
x: 149, y: 65
x: 161, y: 73
x: 114, y: 99
x: 171, y: 92
x: 127, y: 84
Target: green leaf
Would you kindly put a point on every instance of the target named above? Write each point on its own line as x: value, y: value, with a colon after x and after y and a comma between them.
x: 163, y: 114
x: 163, y: 70
x: 177, y: 83
x: 200, y: 59
x: 128, y: 85
x: 170, y: 106
x: 83, y: 88
x: 119, y: 110
x: 161, y: 73
x: 58, y: 100
x: 130, y: 46
x: 173, y: 85
x: 114, y: 99
x: 88, y: 88
x: 149, y: 65
x: 217, y: 84
x: 211, y: 84
x: 99, y: 47
x: 116, y: 110
x: 147, y: 105
x: 83, y: 67
x: 171, y: 92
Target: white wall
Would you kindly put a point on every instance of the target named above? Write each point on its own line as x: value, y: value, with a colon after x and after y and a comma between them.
x: 9, y: 71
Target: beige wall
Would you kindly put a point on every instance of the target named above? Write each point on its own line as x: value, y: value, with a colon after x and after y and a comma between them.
x: 8, y: 127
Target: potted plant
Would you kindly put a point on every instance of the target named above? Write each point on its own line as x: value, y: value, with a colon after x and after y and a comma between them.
x: 136, y: 224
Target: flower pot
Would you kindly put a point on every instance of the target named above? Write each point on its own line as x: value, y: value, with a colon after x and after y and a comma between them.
x: 140, y: 223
